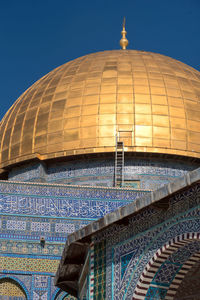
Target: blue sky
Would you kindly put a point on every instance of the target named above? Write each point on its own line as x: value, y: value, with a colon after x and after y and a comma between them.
x: 39, y: 35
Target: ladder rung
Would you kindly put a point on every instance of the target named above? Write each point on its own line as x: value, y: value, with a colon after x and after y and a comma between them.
x: 119, y: 163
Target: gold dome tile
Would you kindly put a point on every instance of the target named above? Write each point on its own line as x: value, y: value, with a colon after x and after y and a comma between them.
x: 151, y: 99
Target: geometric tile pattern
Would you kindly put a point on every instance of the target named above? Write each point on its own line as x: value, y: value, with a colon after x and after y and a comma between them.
x: 40, y: 281
x: 23, y: 280
x: 160, y: 270
x: 30, y: 247
x: 10, y: 288
x: 193, y: 261
x: 31, y: 210
x: 166, y: 273
x: 125, y: 261
x: 150, y: 173
x: 148, y: 231
x: 60, y: 201
x: 91, y: 279
x: 32, y: 228
x: 185, y: 252
x: 27, y: 264
x: 155, y: 294
x: 99, y: 270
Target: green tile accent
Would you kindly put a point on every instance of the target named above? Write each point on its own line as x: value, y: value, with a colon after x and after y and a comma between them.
x: 100, y: 271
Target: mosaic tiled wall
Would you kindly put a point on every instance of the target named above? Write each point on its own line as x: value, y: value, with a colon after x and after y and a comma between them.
x: 168, y: 270
x: 130, y: 247
x: 29, y: 264
x: 152, y: 173
x: 30, y: 285
x: 31, y: 272
x: 30, y: 211
x: 79, y: 203
x: 35, y: 172
x: 12, y: 289
x: 100, y: 270
x: 32, y: 228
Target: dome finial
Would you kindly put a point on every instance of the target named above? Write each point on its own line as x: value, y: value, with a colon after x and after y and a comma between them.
x: 124, y: 41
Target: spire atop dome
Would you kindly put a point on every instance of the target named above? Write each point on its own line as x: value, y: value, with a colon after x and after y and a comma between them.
x: 124, y: 41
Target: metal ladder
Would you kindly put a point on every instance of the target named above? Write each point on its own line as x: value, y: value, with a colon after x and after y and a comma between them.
x: 119, y: 164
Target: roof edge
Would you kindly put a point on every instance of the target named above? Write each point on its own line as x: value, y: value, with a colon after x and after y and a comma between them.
x: 84, y: 235
x: 125, y: 211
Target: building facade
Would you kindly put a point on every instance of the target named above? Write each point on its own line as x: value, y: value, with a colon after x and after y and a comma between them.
x: 149, y: 249
x: 95, y: 134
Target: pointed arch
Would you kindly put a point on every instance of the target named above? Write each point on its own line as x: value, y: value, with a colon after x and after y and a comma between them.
x: 19, y: 282
x: 195, y: 258
x: 157, y: 260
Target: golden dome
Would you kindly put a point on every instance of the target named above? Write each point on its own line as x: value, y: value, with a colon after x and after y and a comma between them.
x: 150, y: 100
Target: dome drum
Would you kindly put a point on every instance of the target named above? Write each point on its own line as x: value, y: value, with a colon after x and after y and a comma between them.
x: 141, y: 172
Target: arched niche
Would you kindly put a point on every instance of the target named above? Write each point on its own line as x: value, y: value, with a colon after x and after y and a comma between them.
x: 168, y: 269
x: 12, y: 288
